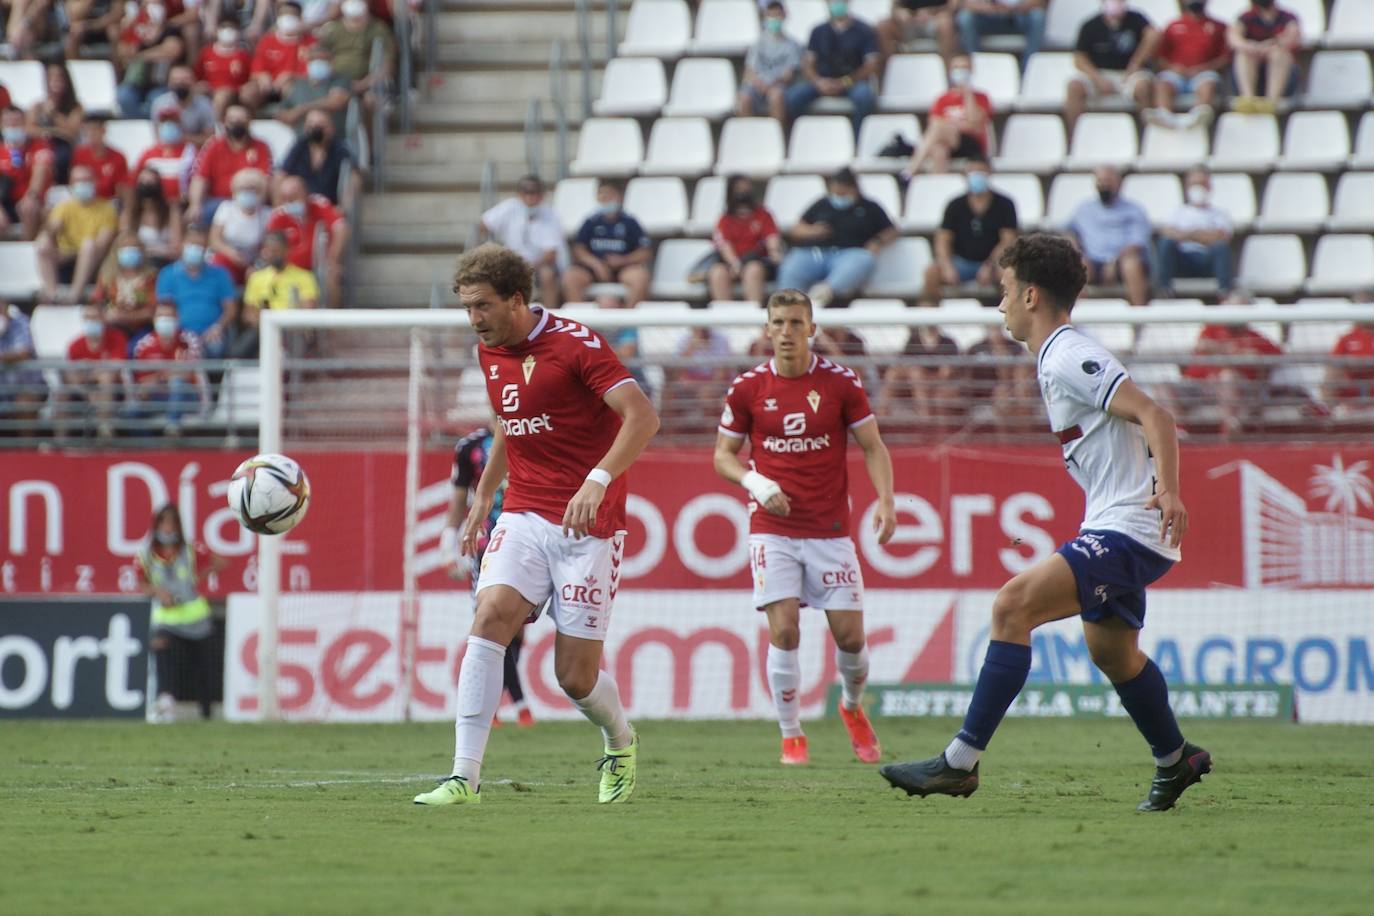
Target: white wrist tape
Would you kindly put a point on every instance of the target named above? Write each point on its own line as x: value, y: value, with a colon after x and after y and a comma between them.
x: 600, y: 475
x: 759, y: 487
x: 449, y: 540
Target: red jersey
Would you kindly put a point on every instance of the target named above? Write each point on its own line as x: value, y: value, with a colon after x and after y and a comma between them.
x: 300, y: 233
x: 112, y: 345
x: 549, y: 393
x: 1220, y: 340
x: 219, y: 163
x: 172, y: 162
x: 951, y: 105
x: 152, y: 348
x: 276, y: 57
x: 143, y: 32
x: 1190, y: 41
x: 223, y: 69
x: 110, y: 167
x: 17, y: 164
x: 798, y: 430
x: 1358, y: 347
x: 746, y: 236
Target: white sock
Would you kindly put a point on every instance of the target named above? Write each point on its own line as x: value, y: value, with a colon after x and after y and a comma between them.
x: 1170, y: 760
x: 961, y: 755
x: 602, y: 708
x: 479, y: 693
x: 853, y: 667
x: 784, y: 679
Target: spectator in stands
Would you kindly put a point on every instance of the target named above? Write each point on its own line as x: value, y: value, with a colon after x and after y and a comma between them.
x: 75, y: 238
x: 913, y: 19
x: 350, y: 38
x: 57, y: 119
x: 977, y: 18
x: 320, y: 90
x: 1190, y: 58
x: 220, y: 160
x: 1265, y: 40
x: 1196, y: 240
x: 747, y: 242
x: 240, y: 223
x: 147, y: 41
x: 976, y: 227
x: 153, y: 218
x: 195, y: 112
x: 770, y: 66
x: 27, y: 24
x: 318, y: 159
x: 1001, y: 386
x: 841, y: 59
x: 26, y: 167
x: 528, y: 226
x: 127, y: 288
x: 222, y: 69
x: 107, y: 164
x: 625, y: 342
x: 836, y: 243
x: 692, y: 385
x: 1112, y: 58
x: 300, y: 218
x: 169, y: 391
x: 611, y: 247
x: 5, y: 100
x: 100, y: 388
x: 933, y: 389
x: 203, y: 294
x: 1114, y: 235
x: 278, y: 59
x: 958, y: 126
x: 96, y: 20
x: 1238, y: 391
x: 171, y: 158
x: 278, y: 284
x: 1349, y: 383
x: 22, y: 389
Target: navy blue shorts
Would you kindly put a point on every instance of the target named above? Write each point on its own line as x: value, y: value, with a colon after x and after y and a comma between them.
x: 1112, y: 571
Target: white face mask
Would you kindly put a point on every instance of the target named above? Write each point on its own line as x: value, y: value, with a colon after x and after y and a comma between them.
x: 354, y: 9
x: 289, y: 25
x: 1198, y: 195
x: 228, y: 37
x: 156, y: 12
x: 959, y: 76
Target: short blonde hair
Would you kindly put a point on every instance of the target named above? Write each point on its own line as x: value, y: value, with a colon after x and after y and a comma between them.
x: 505, y: 271
x: 246, y: 178
x: 786, y: 297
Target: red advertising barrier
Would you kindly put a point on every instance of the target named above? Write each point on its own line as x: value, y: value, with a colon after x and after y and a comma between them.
x: 1295, y: 517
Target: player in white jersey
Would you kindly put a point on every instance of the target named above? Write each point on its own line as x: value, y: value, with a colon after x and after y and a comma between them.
x: 1122, y: 448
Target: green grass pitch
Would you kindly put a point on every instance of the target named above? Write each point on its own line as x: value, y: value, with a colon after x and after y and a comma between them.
x: 129, y: 818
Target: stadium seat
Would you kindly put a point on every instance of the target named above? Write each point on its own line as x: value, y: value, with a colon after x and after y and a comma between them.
x: 1160, y: 195
x: 18, y: 270
x: 660, y: 204
x: 876, y: 132
x: 870, y: 11
x: 1234, y: 194
x: 802, y: 17
x: 1162, y: 340
x: 883, y: 190
x: 1067, y: 191
x: 1025, y: 192
x: 25, y: 82
x: 632, y: 87
x: 1315, y: 140
x: 240, y: 399
x: 883, y: 340
x: 53, y: 328
x: 1102, y: 138
x: 279, y: 137
x: 1032, y: 143
x: 94, y: 82
x: 702, y: 87
x: 1272, y: 264
x: 1245, y: 142
x: 726, y: 27
x: 739, y: 336
x: 708, y: 202
x: 608, y: 146
x: 131, y: 138
x: 675, y: 258
x: 1351, y: 25
x: 1353, y: 207
x: 1172, y: 149
x: 1293, y: 202
x: 1363, y: 156
x: 1317, y: 336
x: 820, y: 143
x: 900, y: 272
x: 1118, y: 337
x: 573, y: 201
x: 1339, y: 79
x: 1159, y: 12
x: 750, y: 146
x: 999, y: 75
x: 788, y: 196
x: 911, y: 82
x: 1063, y: 20
x: 1342, y: 263
x: 657, y: 28
x: 679, y: 146
x: 1046, y: 81
x: 926, y: 199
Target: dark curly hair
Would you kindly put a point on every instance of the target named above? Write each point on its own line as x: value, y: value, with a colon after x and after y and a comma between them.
x: 503, y: 269
x: 1051, y: 263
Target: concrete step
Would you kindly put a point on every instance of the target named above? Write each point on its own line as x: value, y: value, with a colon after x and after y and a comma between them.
x: 496, y: 86
x: 419, y: 222
x: 510, y: 117
x: 496, y: 54
x: 532, y: 25
x: 510, y: 6
x: 459, y: 149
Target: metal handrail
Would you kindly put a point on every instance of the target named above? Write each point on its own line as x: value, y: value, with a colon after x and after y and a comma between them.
x: 584, y: 44
x: 487, y: 190
x: 405, y: 65
x: 431, y: 42
x: 612, y: 43
x: 558, y: 92
x: 376, y: 66
x: 534, y: 137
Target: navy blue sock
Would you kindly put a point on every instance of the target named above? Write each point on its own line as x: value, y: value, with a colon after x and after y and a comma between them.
x: 1004, y: 674
x: 1146, y: 698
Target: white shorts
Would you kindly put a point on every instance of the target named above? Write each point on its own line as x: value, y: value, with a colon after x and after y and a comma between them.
x: 823, y: 572
x: 530, y: 554
x: 1123, y: 83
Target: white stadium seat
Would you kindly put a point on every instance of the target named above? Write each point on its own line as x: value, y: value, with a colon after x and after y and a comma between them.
x: 1063, y: 20
x: 726, y: 27
x: 675, y: 258
x: 573, y: 201
x: 870, y: 11
x: 19, y: 271
x: 1317, y: 336
x: 657, y: 28
x: 883, y: 191
x: 788, y: 196
x: 1351, y: 25
x: 608, y: 146
x: 1248, y: 142
x: 702, y: 87
x: 1234, y: 194
x: 279, y: 137
x: 1172, y: 149
x: 240, y: 399
x: 679, y: 146
x: 53, y: 328
x: 900, y: 272
x: 1342, y: 263
x: 25, y: 81
x: 752, y: 146
x: 1363, y: 156
x: 1159, y: 12
x: 912, y: 82
x: 632, y: 87
x: 660, y: 204
x: 708, y: 202
x: 739, y: 336
x: 1118, y: 338
x: 1102, y: 138
x: 820, y: 143
x: 1046, y: 81
x: 1340, y: 79
x: 131, y: 138
x: 1032, y: 143
x: 94, y: 83
x: 1025, y: 192
x: 802, y: 17
x: 1067, y: 191
x: 1316, y: 140
x: 883, y: 340
x: 999, y: 75
x: 876, y: 132
x: 1272, y: 264
x: 926, y: 199
x: 1160, y: 195
x: 1293, y: 202
x: 1353, y: 207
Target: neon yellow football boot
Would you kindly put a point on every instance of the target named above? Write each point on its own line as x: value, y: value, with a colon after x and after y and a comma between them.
x: 452, y: 791
x: 618, y: 773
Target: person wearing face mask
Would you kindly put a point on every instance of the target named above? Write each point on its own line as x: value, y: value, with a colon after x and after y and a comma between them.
x: 1111, y: 58
x: 278, y: 59
x: 22, y: 389
x: 958, y: 126
x: 89, y: 20
x: 203, y: 294
x: 1264, y: 40
x: 1196, y: 240
x: 111, y: 169
x: 127, y: 289
x: 770, y: 66
x: 147, y: 41
x: 276, y: 284
x: 99, y: 388
x: 977, y: 227
x: 318, y: 158
x: 912, y: 20
x: 196, y: 113
x: 240, y: 223
x: 164, y: 388
x: 75, y: 238
x: 57, y: 119
x: 26, y: 170
x: 841, y: 60
x: 171, y: 571
x: 321, y: 90
x: 977, y: 18
x: 170, y: 159
x: 529, y: 227
x: 222, y: 69
x: 1190, y: 57
x: 153, y: 219
x: 747, y: 243
x: 223, y: 157
x: 349, y: 38
x: 836, y: 243
x: 1114, y: 235
x: 611, y: 247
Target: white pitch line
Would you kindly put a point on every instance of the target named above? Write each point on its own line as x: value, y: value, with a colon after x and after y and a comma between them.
x: 299, y: 784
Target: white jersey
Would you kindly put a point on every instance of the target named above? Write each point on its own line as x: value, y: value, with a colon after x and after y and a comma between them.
x: 1107, y: 455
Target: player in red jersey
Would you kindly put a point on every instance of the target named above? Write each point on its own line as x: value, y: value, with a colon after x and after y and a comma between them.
x: 797, y: 411
x: 570, y: 422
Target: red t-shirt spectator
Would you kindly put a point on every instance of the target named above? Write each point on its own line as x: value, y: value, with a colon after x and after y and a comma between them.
x: 1357, y: 344
x: 151, y: 348
x: 112, y: 345
x: 951, y: 105
x: 172, y: 162
x: 219, y: 163
x: 143, y: 32
x: 222, y: 69
x: 110, y: 167
x: 1256, y: 28
x: 746, y: 235
x: 300, y: 233
x: 275, y: 57
x: 1191, y: 41
x: 1219, y: 339
x: 4, y: 98
x: 17, y: 163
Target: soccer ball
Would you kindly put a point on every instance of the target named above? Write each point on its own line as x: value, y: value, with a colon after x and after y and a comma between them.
x: 269, y: 494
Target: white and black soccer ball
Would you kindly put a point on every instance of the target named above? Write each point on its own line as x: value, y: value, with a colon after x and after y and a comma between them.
x: 269, y: 494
